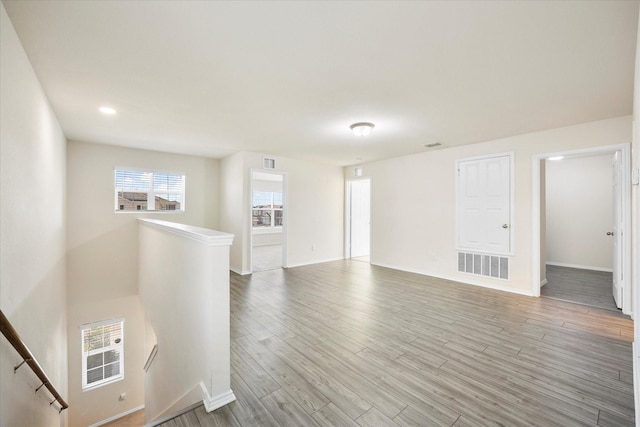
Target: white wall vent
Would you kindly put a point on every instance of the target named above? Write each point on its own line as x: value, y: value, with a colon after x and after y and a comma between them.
x: 483, y: 265
x: 268, y: 163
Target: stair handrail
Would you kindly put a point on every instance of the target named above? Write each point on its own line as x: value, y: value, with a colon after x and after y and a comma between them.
x: 27, y: 357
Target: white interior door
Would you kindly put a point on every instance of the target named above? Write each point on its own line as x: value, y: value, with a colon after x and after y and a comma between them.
x: 360, y: 217
x: 618, y: 230
x: 484, y: 204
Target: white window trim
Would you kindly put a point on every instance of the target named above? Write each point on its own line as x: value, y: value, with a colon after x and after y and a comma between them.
x: 120, y: 346
x: 151, y: 192
x: 267, y: 230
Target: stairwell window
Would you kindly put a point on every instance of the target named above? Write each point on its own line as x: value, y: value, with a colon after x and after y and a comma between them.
x: 151, y: 191
x: 102, y: 353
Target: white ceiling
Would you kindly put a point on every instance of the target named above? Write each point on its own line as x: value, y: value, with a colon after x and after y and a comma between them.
x: 288, y: 78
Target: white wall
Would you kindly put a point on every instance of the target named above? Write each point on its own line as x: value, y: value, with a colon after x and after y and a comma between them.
x: 579, y: 212
x: 413, y: 201
x: 101, y: 403
x: 314, y: 199
x: 635, y: 229
x: 32, y: 244
x: 103, y: 258
x: 184, y: 287
x: 233, y: 218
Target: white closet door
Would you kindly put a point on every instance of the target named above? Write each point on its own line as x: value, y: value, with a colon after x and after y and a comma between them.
x: 484, y: 205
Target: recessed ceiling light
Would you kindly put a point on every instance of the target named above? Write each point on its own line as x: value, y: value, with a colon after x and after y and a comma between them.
x: 556, y: 158
x: 362, y: 128
x: 107, y: 110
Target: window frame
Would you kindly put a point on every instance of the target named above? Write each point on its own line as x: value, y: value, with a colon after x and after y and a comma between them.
x: 86, y: 354
x: 151, y: 192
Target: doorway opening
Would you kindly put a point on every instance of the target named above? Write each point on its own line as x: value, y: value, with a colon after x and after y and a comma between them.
x: 358, y: 219
x: 268, y: 229
x: 580, y: 222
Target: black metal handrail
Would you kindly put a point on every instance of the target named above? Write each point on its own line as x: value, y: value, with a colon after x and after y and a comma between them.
x: 27, y: 357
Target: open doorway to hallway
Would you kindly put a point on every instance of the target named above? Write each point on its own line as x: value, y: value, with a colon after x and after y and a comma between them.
x: 358, y: 214
x: 267, y: 221
x: 583, y: 248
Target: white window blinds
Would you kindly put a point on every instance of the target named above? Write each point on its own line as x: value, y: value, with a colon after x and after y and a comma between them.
x: 137, y: 190
x: 102, y: 353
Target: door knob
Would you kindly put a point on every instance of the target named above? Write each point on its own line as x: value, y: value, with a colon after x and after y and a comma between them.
x: 505, y: 225
x: 609, y: 233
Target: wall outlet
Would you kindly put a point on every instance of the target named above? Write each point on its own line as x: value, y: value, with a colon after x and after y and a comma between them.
x: 122, y: 397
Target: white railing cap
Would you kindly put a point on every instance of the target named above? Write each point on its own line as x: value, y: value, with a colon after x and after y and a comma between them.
x: 203, y: 235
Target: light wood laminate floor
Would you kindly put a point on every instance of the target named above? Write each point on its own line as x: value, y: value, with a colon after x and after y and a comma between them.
x: 350, y: 344
x: 588, y: 287
x: 266, y: 257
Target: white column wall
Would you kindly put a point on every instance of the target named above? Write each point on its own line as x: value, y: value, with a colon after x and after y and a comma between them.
x: 184, y: 289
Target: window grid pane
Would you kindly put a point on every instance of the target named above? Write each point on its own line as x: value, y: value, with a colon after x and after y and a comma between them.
x: 262, y: 199
x: 267, y: 209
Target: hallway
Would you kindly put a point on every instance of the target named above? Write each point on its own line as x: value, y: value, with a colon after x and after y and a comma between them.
x: 586, y: 287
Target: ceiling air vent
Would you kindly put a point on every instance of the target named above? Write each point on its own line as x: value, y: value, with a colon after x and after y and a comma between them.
x: 268, y: 163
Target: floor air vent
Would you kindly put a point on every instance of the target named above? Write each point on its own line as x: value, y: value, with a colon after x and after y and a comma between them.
x: 483, y: 265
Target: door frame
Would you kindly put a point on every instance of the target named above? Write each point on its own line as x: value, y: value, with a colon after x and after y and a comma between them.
x: 624, y: 149
x: 347, y: 214
x: 285, y: 215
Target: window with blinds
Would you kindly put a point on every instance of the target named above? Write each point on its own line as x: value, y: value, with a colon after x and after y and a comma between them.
x: 137, y: 190
x: 102, y: 353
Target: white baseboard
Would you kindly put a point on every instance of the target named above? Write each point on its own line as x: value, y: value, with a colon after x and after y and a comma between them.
x: 320, y: 261
x: 173, y: 415
x: 210, y: 404
x: 544, y: 282
x: 213, y: 403
x: 460, y: 280
x: 116, y: 417
x: 582, y: 267
x: 240, y: 272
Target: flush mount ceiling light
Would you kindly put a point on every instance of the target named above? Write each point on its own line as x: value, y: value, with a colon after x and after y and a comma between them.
x: 107, y: 110
x: 362, y: 128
